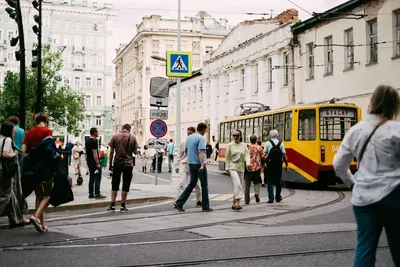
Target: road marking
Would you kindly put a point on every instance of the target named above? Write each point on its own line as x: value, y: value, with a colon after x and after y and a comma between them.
x: 223, y: 197
x: 210, y: 196
x: 106, y: 212
x: 151, y: 176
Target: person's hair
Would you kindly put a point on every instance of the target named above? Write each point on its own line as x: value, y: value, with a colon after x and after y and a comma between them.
x: 93, y: 131
x: 41, y: 117
x: 385, y: 101
x: 253, y: 139
x: 145, y: 147
x: 127, y: 127
x: 6, y: 130
x: 201, y: 127
x: 171, y: 140
x: 240, y: 134
x: 259, y: 143
x: 273, y: 134
x: 13, y: 119
x: 192, y: 129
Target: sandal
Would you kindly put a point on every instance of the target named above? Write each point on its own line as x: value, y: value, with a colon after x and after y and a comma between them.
x: 45, y: 229
x: 26, y: 221
x: 36, y: 222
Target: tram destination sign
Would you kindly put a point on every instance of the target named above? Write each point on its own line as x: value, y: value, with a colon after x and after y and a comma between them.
x: 156, y: 114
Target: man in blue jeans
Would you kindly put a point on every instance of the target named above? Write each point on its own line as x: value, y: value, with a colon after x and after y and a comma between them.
x: 196, y: 157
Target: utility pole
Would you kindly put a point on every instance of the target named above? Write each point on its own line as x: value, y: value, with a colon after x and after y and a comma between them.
x: 15, y: 13
x: 37, y: 54
x: 178, y: 91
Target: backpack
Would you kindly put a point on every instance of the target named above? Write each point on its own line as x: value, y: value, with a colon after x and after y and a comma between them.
x: 274, y: 158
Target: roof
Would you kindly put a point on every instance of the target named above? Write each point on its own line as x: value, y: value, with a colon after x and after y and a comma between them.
x: 331, y: 13
x: 194, y: 74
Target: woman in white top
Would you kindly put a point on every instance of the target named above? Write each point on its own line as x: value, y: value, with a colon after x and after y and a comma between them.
x: 375, y: 142
x: 12, y: 201
x: 77, y: 151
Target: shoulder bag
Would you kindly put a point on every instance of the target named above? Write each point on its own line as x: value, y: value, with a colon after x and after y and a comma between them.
x: 10, y: 166
x: 364, y: 147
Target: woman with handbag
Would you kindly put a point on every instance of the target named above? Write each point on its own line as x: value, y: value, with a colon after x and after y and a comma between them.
x: 12, y: 201
x: 375, y: 142
x: 237, y: 156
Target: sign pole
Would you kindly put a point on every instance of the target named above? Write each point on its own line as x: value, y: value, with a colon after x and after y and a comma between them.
x: 156, y: 167
x: 175, y: 176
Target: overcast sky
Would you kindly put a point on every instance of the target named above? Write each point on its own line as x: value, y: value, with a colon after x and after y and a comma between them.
x: 130, y: 12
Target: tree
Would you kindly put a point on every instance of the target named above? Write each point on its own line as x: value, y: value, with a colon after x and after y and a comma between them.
x: 63, y: 104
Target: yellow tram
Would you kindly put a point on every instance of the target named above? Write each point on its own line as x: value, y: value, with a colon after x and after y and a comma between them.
x: 311, y: 133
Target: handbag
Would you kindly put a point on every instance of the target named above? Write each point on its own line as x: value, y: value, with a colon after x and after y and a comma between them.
x: 364, y: 147
x: 10, y: 166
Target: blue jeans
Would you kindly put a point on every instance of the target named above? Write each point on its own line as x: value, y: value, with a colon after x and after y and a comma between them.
x: 371, y: 220
x: 170, y: 161
x: 195, y: 175
x: 274, y: 176
x: 94, y: 182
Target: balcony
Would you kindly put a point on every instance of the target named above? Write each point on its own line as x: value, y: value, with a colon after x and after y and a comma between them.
x: 78, y: 49
x: 3, y: 61
x: 3, y: 43
x: 78, y: 67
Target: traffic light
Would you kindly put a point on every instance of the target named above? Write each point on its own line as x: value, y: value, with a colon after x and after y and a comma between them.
x: 14, y: 11
x: 37, y: 52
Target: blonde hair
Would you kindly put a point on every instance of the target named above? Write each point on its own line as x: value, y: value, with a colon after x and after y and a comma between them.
x: 385, y: 101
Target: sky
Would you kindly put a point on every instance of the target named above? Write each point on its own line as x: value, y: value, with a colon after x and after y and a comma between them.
x: 130, y: 12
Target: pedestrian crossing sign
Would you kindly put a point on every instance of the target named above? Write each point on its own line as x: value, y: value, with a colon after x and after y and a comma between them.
x: 179, y: 64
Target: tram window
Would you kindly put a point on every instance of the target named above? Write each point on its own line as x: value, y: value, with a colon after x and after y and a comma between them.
x: 335, y: 122
x: 278, y: 124
x: 249, y: 130
x: 257, y: 127
x: 222, y: 133
x: 233, y: 127
x: 227, y: 134
x: 267, y: 127
x: 307, y: 125
x: 241, y: 126
x: 288, y: 126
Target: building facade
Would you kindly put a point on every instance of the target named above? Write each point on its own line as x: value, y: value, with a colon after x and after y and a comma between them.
x: 134, y: 66
x: 80, y: 29
x: 252, y: 64
x: 346, y: 52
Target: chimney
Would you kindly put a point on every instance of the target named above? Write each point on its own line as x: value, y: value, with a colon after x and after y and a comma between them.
x: 223, y: 23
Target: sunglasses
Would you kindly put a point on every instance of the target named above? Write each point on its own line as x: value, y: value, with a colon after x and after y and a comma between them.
x: 236, y: 135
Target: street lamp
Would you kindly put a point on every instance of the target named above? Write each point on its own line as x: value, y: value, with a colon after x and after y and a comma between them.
x: 14, y: 10
x: 158, y: 58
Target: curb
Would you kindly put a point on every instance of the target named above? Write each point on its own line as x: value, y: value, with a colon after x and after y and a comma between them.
x: 102, y: 204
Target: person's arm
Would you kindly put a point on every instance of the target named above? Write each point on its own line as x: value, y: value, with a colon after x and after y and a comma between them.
x: 284, y: 157
x: 181, y: 156
x: 246, y: 156
x: 342, y: 161
x: 23, y: 150
x: 111, y: 158
x: 135, y: 146
x: 202, y: 148
x: 96, y: 156
x: 228, y: 159
x: 7, y: 148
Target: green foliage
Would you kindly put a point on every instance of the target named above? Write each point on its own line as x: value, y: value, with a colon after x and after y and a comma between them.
x: 63, y: 104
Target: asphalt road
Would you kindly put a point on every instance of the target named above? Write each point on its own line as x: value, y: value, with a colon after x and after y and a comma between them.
x: 23, y: 247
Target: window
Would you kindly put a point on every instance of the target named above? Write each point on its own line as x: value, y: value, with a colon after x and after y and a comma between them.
x: 194, y: 94
x: 78, y: 25
x: 90, y: 27
x: 268, y: 126
x: 227, y: 132
x: 78, y: 42
x: 98, y: 121
x: 10, y: 35
x: 209, y: 49
x: 397, y: 33
x: 77, y: 81
x: 100, y: 43
x: 98, y: 101
x: 56, y: 23
x: 257, y: 127
x: 256, y: 87
x: 88, y: 82
x: 189, y: 96
x: 279, y: 123
x: 373, y: 41
x: 328, y: 56
x: 99, y: 82
x: 310, y: 63
x: 349, y: 42
x: 67, y: 24
x: 286, y: 68
x: 10, y: 55
x: 241, y: 126
x: 242, y: 79
x: 269, y: 73
x: 288, y: 126
x: 89, y: 42
x: 335, y: 122
x: 88, y: 100
x: 249, y: 130
x: 100, y: 61
x: 307, y: 127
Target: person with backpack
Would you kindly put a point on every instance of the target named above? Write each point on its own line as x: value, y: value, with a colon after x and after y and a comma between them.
x: 275, y: 153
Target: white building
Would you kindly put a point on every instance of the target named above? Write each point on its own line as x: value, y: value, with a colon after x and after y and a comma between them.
x: 250, y: 65
x: 135, y: 67
x: 346, y: 52
x: 81, y: 29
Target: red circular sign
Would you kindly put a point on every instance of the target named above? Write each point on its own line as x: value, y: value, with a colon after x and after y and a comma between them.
x: 158, y: 128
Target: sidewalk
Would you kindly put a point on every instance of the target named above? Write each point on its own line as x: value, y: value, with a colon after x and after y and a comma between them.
x: 142, y: 190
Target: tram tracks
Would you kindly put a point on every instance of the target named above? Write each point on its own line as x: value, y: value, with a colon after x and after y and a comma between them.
x: 292, y: 192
